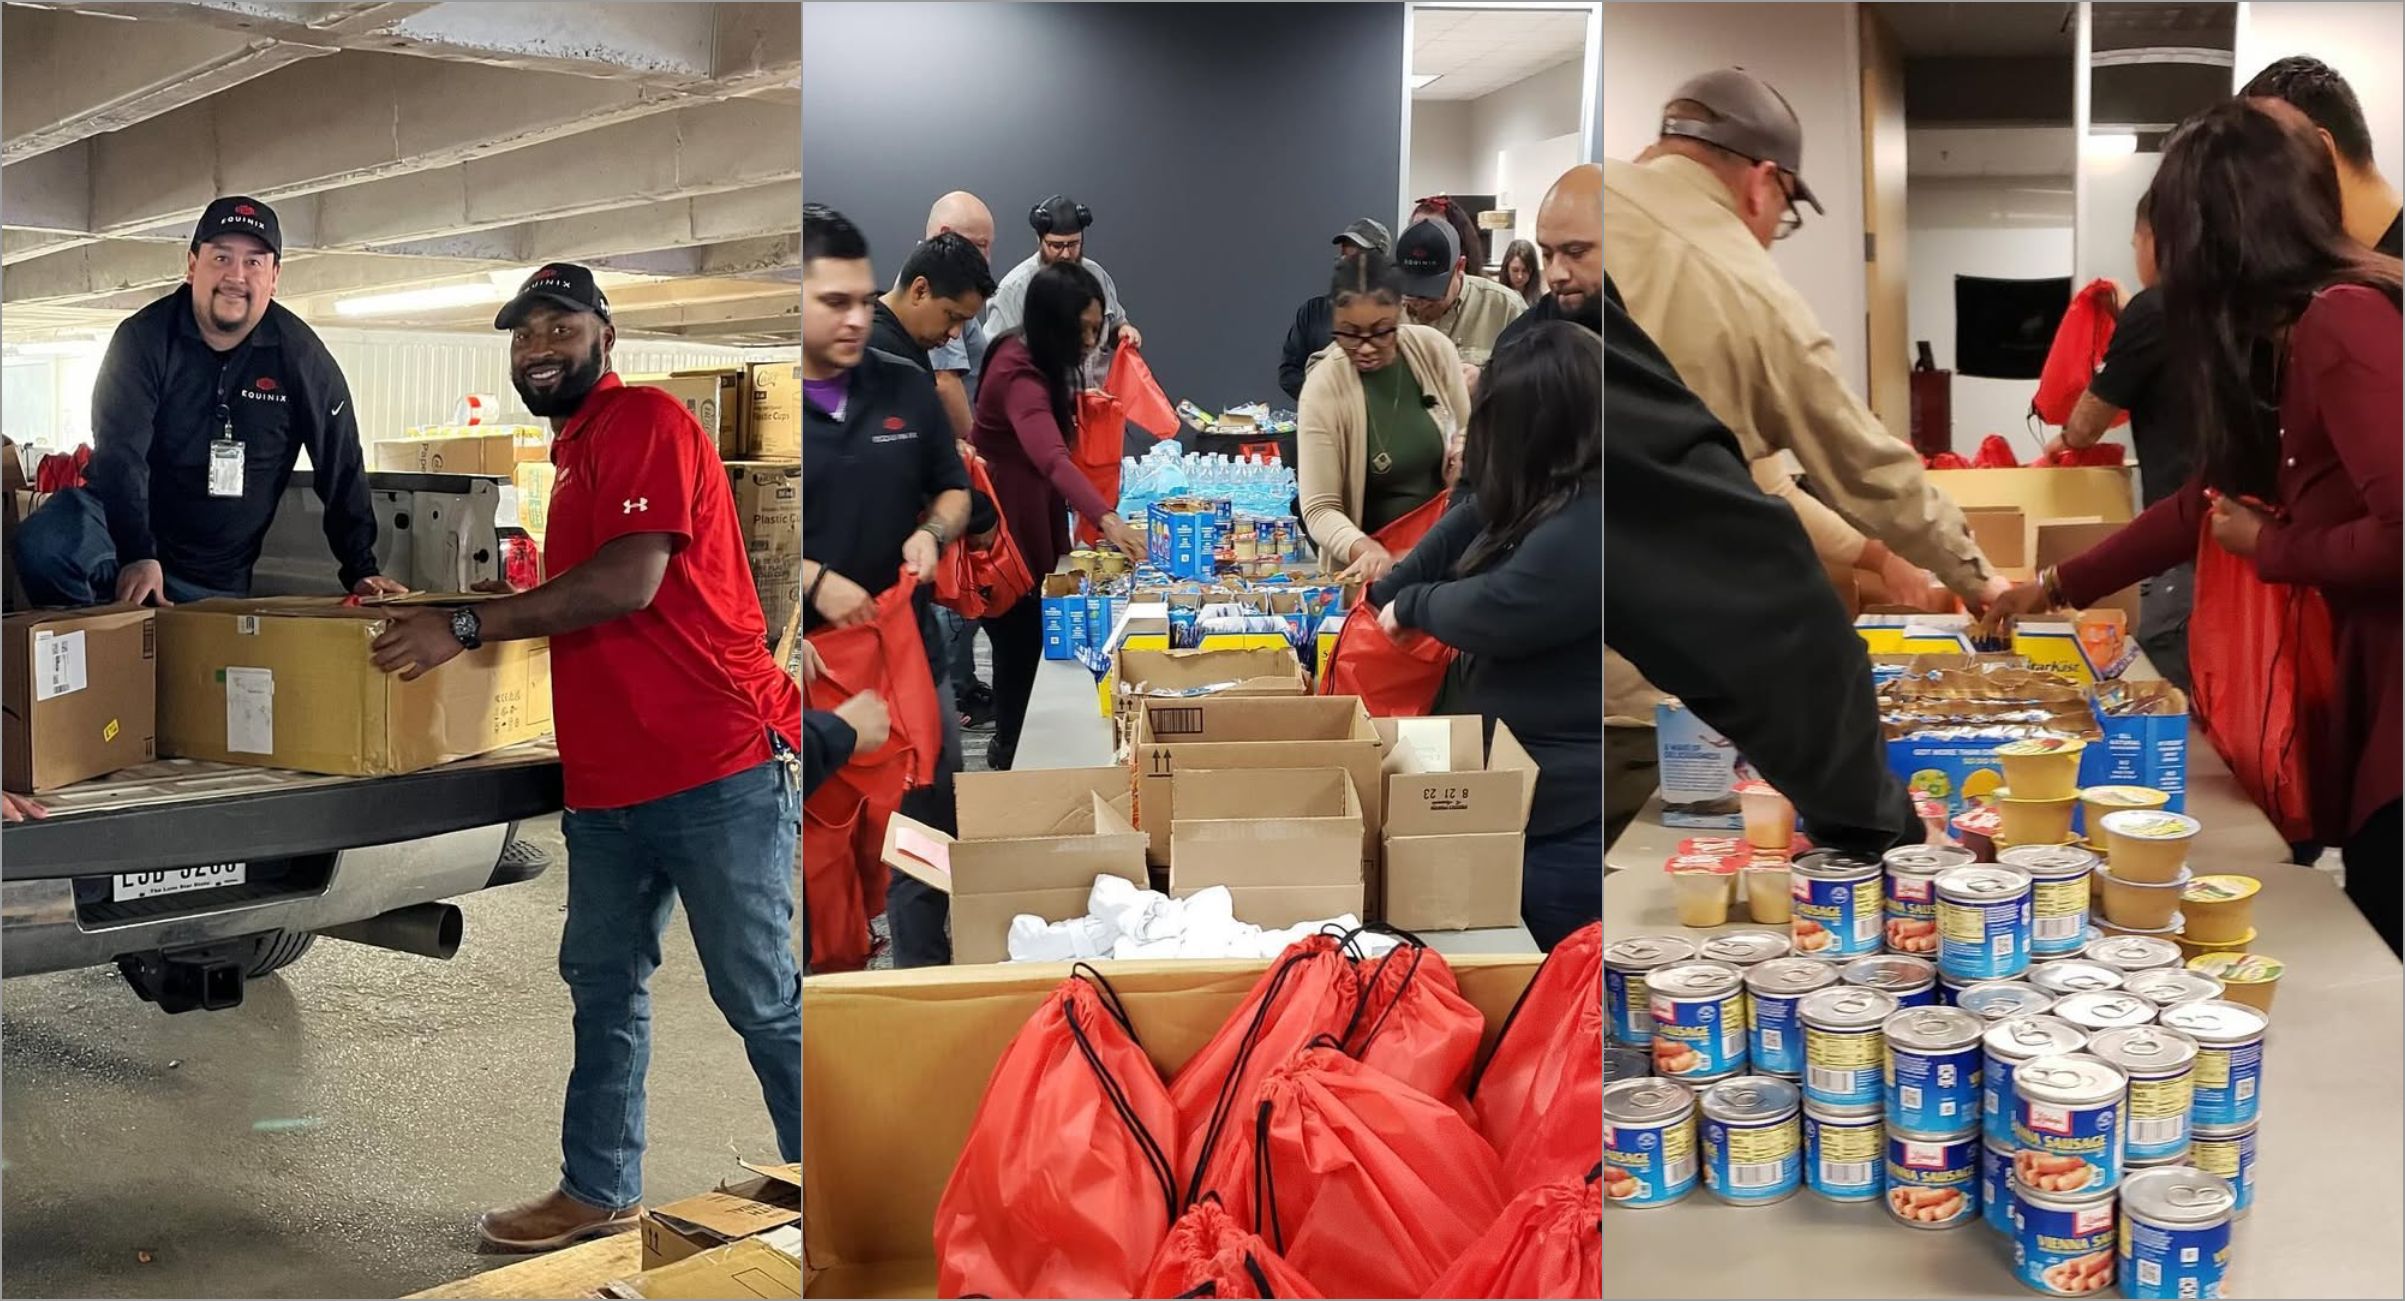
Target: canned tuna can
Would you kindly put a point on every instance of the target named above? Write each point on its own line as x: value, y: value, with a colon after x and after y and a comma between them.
x: 1624, y: 966
x: 1648, y: 1143
x: 1932, y: 1069
x: 2063, y: 1245
x: 1698, y: 1020
x: 1844, y: 1052
x: 2229, y: 1059
x: 1844, y: 1149
x: 1774, y: 1032
x: 1753, y: 1140
x: 2229, y: 1153
x: 1838, y: 913
x: 2175, y: 1233
x: 2067, y: 1131
x: 1743, y: 949
x: 1910, y: 900
x: 2009, y: 1043
x: 2101, y: 1010
x: 2167, y: 987
x: 2002, y: 1000
x: 2062, y: 979
x: 2129, y: 954
x: 1621, y: 1062
x: 1932, y: 1179
x: 1995, y: 1185
x: 2160, y: 1065
x: 2061, y: 878
x: 1912, y: 982
x: 1983, y: 923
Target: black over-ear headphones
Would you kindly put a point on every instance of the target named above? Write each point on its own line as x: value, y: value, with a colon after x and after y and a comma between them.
x: 1045, y: 216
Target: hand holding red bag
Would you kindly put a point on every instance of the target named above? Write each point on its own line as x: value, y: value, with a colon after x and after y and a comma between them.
x: 1547, y: 1243
x: 980, y: 582
x: 1395, y: 678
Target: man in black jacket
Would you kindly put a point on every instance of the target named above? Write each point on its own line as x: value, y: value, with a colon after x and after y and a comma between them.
x: 1713, y: 591
x: 1309, y: 335
x: 1569, y: 234
x: 204, y: 403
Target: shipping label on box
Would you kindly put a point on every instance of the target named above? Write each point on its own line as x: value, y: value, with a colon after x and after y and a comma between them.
x: 772, y: 429
x: 1699, y: 771
x: 81, y: 692
x: 535, y: 481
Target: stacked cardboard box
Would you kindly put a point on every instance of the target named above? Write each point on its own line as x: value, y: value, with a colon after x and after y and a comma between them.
x: 1138, y: 675
x: 716, y: 399
x: 1456, y: 818
x: 81, y: 690
x: 1176, y: 736
x: 772, y: 423
x: 1030, y: 842
x: 464, y: 449
x: 1283, y: 841
x: 768, y: 505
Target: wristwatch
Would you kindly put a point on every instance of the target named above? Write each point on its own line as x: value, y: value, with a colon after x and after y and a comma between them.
x: 467, y: 627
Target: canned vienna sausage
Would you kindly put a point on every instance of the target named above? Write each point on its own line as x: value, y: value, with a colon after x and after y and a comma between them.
x: 1648, y: 1143
x: 2175, y: 1233
x: 2002, y: 1000
x: 1983, y: 922
x: 1774, y: 1031
x: 1844, y: 1149
x: 2229, y: 1059
x: 1995, y: 1187
x: 1932, y: 1069
x: 2229, y: 1153
x: 2074, y: 976
x: 1844, y: 1052
x: 2159, y: 1064
x: 1753, y: 1143
x: 2060, y: 880
x: 1910, y: 899
x: 1911, y: 981
x: 1838, y: 908
x: 2129, y: 954
x: 2101, y: 1010
x: 1742, y: 949
x: 2063, y: 1244
x: 1624, y: 966
x: 2008, y: 1044
x: 1932, y: 1179
x: 2167, y: 987
x: 2067, y: 1131
x: 1698, y: 1020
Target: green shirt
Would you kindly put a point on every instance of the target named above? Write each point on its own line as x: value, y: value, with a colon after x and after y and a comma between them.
x: 1406, y: 453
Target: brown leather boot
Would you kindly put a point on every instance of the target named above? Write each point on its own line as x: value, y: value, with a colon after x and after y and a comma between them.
x: 549, y: 1222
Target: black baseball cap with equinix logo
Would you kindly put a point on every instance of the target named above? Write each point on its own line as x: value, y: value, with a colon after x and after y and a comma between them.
x: 562, y: 284
x: 239, y: 215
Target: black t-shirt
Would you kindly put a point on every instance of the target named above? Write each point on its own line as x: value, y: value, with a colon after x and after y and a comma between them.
x: 2131, y: 379
x: 869, y: 476
x: 2393, y: 243
x: 885, y: 334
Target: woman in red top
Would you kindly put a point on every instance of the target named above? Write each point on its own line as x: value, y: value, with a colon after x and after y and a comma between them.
x: 1026, y: 422
x: 2285, y: 347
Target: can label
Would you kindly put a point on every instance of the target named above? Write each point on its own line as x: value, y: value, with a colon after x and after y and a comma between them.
x: 1774, y: 1034
x: 2173, y: 1263
x: 2158, y: 1116
x: 2229, y: 1085
x: 2063, y: 1250
x: 1996, y: 1099
x: 1933, y: 1184
x: 1933, y: 1093
x: 1911, y: 911
x: 1983, y: 941
x: 1995, y: 1187
x: 1753, y: 1163
x: 1649, y: 1165
x: 1837, y: 919
x: 2058, y: 911
x: 1699, y: 1038
x: 2232, y: 1156
x: 1842, y: 1157
x: 1632, y: 1017
x: 1844, y: 1068
x: 2067, y: 1149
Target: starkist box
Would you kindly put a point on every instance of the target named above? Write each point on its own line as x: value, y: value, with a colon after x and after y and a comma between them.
x: 896, y: 1063
x: 1173, y: 736
x: 1030, y: 841
x: 81, y: 691
x: 1282, y: 840
x: 1456, y: 823
x: 287, y: 682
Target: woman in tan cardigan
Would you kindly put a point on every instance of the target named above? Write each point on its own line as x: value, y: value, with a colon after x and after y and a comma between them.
x: 1380, y: 410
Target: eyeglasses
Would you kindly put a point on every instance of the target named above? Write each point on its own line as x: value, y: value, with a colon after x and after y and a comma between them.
x: 1793, y: 221
x: 1350, y: 339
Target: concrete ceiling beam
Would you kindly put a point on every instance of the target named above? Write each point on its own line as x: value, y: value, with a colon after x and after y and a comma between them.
x: 72, y: 77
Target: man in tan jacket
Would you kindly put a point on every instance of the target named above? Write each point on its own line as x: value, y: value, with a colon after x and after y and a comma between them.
x: 1687, y: 232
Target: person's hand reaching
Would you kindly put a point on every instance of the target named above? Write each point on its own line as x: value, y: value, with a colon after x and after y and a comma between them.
x: 844, y: 603
x: 1124, y: 536
x: 870, y: 721
x: 1371, y: 562
x: 142, y: 583
x: 2015, y: 603
x: 20, y: 808
x: 2237, y: 526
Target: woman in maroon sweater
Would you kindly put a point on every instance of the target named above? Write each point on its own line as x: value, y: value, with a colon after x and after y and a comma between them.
x: 1026, y: 422
x: 2285, y: 348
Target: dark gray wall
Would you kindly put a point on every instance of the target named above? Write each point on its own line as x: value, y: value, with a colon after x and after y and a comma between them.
x: 1221, y: 147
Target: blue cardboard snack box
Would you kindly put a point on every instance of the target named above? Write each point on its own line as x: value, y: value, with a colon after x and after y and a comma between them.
x: 1067, y: 624
x: 2137, y: 735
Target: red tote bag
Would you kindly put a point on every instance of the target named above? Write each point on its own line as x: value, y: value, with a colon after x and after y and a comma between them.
x: 1393, y: 679
x: 2078, y: 349
x: 1128, y: 395
x: 980, y: 582
x: 1210, y: 1254
x: 1415, y: 1025
x: 2261, y: 660
x: 1548, y: 1243
x: 1534, y: 1054
x: 1310, y: 991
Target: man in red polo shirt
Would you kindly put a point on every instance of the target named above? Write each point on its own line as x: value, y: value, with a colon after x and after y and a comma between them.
x: 678, y: 735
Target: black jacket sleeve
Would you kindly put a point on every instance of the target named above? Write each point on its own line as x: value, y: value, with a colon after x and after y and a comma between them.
x: 1306, y: 336
x: 1545, y: 594
x: 338, y: 462
x: 827, y: 743
x: 125, y: 408
x: 1713, y: 591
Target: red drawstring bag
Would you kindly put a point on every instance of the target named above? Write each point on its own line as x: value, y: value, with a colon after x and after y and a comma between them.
x: 1128, y: 394
x: 2078, y: 349
x: 2261, y: 664
x: 1543, y: 1046
x: 60, y: 471
x: 2102, y: 454
x: 1311, y: 990
x: 1946, y: 461
x: 1209, y: 1253
x: 1368, y: 1186
x: 843, y: 821
x: 1564, y: 1130
x: 1995, y: 453
x: 977, y: 583
x: 1547, y: 1243
x: 1064, y: 1188
x: 1414, y: 1025
x: 1393, y: 679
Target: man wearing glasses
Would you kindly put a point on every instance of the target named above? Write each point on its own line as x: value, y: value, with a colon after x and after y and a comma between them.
x: 1687, y: 230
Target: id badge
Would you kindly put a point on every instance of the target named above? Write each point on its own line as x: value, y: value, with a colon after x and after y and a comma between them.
x: 225, y: 468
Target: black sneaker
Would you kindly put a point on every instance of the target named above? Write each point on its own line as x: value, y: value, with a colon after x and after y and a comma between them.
x: 977, y: 706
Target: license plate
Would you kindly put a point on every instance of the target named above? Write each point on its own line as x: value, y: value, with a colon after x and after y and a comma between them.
x: 144, y: 885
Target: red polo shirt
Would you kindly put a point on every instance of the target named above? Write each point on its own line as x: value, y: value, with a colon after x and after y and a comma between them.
x: 683, y: 692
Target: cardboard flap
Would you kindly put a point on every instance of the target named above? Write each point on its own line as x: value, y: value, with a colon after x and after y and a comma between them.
x: 1468, y: 794
x: 1098, y: 843
x: 1035, y: 801
x: 724, y: 1215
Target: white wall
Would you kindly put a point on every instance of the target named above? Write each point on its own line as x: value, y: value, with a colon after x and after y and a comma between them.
x: 2359, y: 41
x: 1811, y: 53
x: 1441, y: 161
x: 2007, y: 227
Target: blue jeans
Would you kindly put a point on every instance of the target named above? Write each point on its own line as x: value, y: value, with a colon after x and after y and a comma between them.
x: 726, y: 849
x: 66, y: 557
x: 1561, y: 882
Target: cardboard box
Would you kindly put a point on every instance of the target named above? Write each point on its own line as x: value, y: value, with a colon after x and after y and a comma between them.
x: 1173, y: 736
x: 82, y: 694
x: 740, y: 1271
x: 2106, y: 492
x: 1284, y: 841
x: 896, y: 1063
x: 465, y: 449
x: 2059, y: 540
x: 768, y: 506
x: 1698, y: 772
x: 2002, y: 533
x: 2137, y: 734
x: 687, y: 1228
x: 1265, y: 671
x: 534, y: 481
x: 1068, y: 625
x: 772, y: 421
x: 1456, y: 818
x: 1030, y: 842
x: 715, y: 397
x: 286, y: 682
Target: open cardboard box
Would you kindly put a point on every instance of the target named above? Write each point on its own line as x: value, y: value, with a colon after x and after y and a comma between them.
x: 1030, y: 841
x: 1456, y: 818
x: 896, y: 1062
x: 690, y: 1226
x: 1254, y: 732
x: 1284, y: 841
x: 1257, y: 671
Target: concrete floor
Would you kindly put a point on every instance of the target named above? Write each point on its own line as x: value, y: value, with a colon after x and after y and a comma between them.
x: 337, y: 1135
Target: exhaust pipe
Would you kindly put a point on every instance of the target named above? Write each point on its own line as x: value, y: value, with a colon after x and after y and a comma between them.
x: 429, y: 930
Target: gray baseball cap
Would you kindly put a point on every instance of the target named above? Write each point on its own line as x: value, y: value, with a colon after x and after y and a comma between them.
x: 1366, y: 233
x: 1755, y: 122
